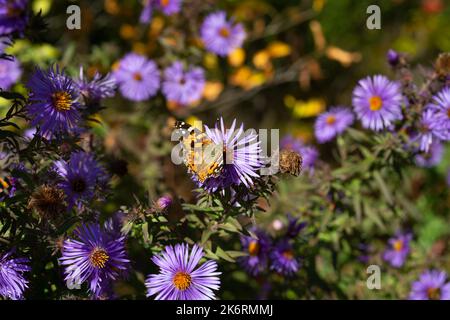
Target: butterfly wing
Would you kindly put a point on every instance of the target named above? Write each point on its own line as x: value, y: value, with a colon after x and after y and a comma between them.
x: 201, y: 155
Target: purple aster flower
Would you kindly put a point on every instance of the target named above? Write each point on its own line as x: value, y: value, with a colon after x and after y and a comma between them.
x: 183, y: 86
x: 13, y: 16
x: 53, y: 102
x: 241, y: 152
x: 441, y: 104
x: 377, y: 102
x: 258, y: 252
x: 115, y: 223
x: 96, y: 256
x: 291, y: 143
x: 168, y: 7
x: 147, y: 12
x: 431, y: 286
x: 179, y: 277
x: 398, y: 250
x: 428, y: 130
x: 221, y: 36
x: 309, y: 155
x: 294, y: 226
x: 10, y: 72
x: 12, y: 281
x: 80, y: 177
x: 100, y: 87
x: 432, y: 157
x: 332, y: 123
x: 283, y: 259
x: 138, y: 78
x: 448, y: 177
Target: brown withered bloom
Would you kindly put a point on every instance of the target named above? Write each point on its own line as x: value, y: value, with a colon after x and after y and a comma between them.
x: 442, y: 65
x: 48, y: 201
x: 290, y: 162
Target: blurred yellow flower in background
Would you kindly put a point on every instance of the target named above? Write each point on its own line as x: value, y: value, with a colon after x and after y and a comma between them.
x: 128, y: 32
x: 42, y: 5
x: 279, y: 49
x: 212, y: 90
x: 304, y: 109
x: 261, y: 60
x: 241, y: 76
x: 237, y: 57
x: 111, y: 6
x: 156, y: 26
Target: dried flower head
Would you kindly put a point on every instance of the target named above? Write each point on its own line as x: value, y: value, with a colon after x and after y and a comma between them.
x: 442, y: 64
x: 290, y: 162
x: 48, y: 201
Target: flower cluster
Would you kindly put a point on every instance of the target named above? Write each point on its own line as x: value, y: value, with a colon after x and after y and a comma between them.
x: 168, y: 7
x: 279, y: 254
x: 54, y: 103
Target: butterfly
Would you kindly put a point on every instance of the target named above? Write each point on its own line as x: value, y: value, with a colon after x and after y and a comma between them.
x: 201, y: 155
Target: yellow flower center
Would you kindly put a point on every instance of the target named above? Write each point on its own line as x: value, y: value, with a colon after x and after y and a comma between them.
x: 398, y: 245
x: 330, y: 119
x: 98, y: 258
x: 182, y: 280
x: 165, y: 3
x: 224, y: 32
x: 137, y: 76
x: 375, y: 103
x: 288, y: 254
x: 62, y: 101
x: 434, y: 293
x: 253, y: 248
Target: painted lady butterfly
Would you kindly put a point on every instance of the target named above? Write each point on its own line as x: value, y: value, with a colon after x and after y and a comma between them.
x: 201, y: 155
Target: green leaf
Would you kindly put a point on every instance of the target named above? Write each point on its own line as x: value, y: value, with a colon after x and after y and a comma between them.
x: 222, y: 254
x: 383, y: 187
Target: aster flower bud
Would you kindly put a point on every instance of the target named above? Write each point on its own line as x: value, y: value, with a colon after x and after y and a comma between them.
x: 393, y: 57
x: 163, y: 203
x: 290, y: 162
